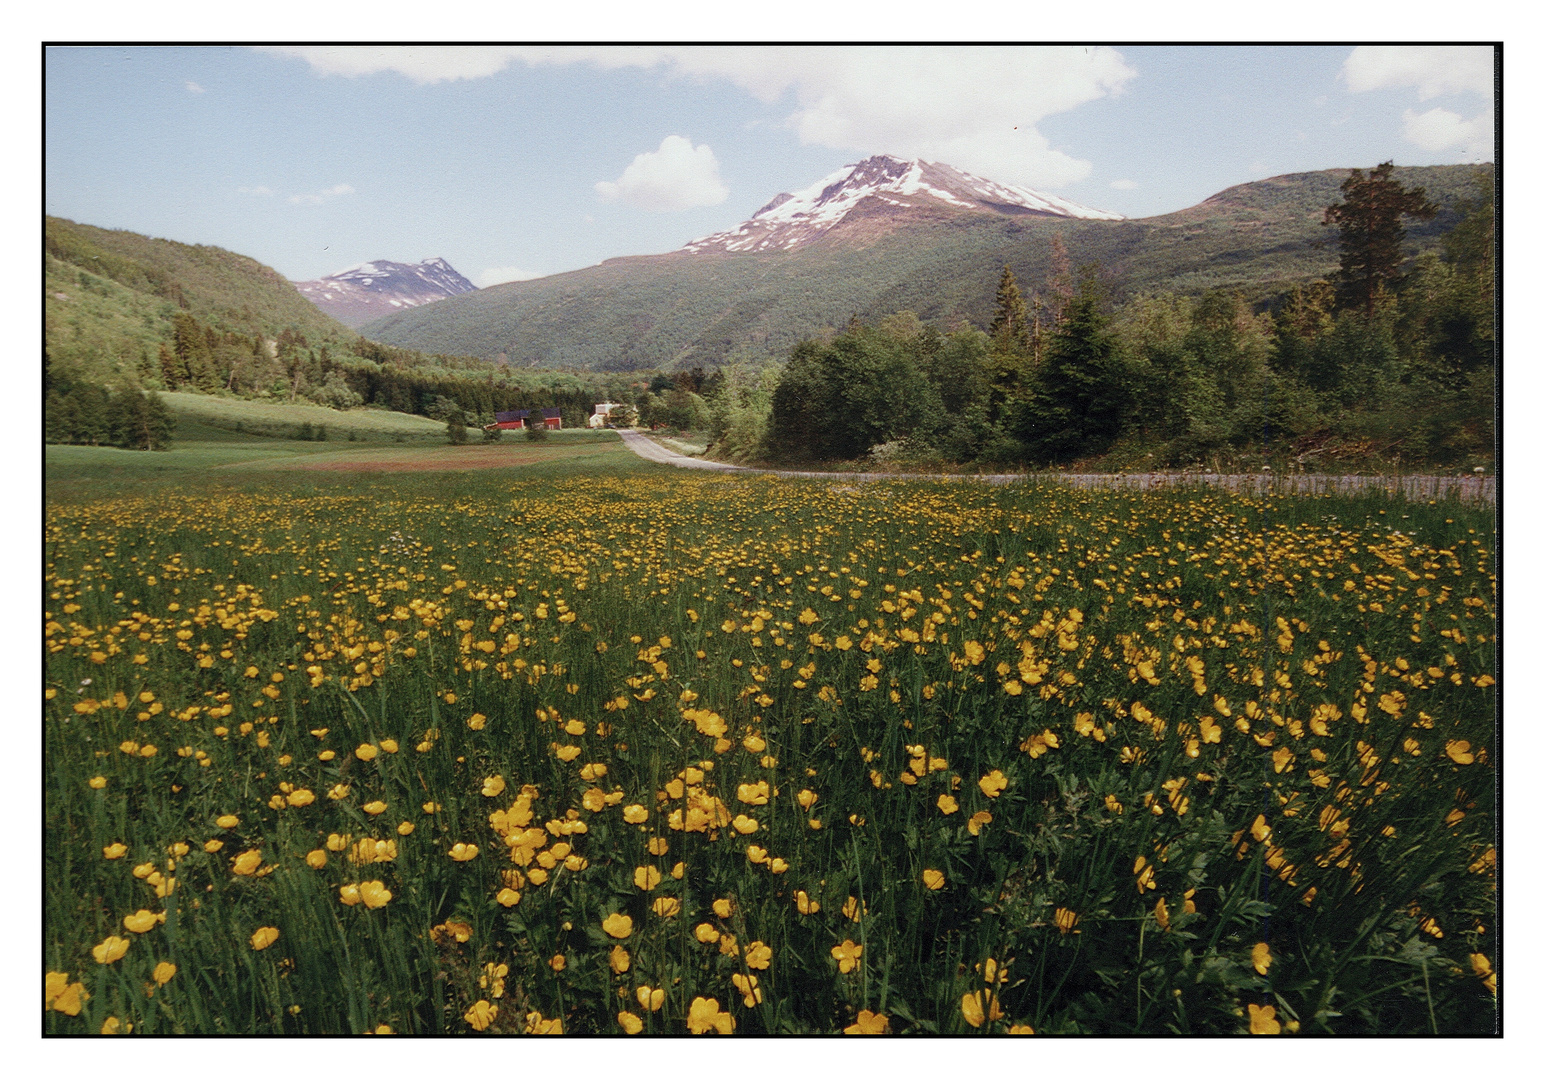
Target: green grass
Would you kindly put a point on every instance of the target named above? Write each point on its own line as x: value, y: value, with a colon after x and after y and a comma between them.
x: 406, y: 639
x: 276, y: 419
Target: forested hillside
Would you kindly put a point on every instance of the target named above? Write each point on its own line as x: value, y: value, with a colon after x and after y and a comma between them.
x: 1387, y: 361
x: 682, y: 309
x: 126, y: 314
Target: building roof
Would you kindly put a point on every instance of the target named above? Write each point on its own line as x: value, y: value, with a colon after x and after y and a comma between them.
x: 512, y: 415
x: 551, y: 414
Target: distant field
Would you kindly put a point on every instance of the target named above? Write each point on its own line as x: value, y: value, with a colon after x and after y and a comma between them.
x: 206, y: 440
x: 447, y: 458
x: 278, y: 420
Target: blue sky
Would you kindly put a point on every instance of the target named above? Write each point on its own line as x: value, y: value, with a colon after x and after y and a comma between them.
x: 518, y: 162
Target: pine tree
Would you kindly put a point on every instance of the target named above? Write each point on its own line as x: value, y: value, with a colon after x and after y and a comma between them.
x: 1370, y: 218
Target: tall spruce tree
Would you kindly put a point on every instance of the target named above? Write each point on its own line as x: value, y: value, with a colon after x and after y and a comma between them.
x: 1010, y: 329
x: 1009, y: 359
x: 1371, y: 219
x: 1080, y: 396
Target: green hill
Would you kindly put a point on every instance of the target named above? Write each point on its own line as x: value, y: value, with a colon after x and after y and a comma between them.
x: 680, y: 309
x: 111, y: 296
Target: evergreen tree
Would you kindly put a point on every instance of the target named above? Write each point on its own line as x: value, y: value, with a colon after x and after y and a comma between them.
x: 1010, y: 358
x: 1371, y: 218
x: 1079, y: 398
x: 169, y: 366
x: 1010, y: 329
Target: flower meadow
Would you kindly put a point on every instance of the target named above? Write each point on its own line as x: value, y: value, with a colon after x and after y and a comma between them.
x: 647, y: 752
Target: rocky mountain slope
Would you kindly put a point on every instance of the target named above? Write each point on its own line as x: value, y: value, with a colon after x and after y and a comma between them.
x: 373, y: 289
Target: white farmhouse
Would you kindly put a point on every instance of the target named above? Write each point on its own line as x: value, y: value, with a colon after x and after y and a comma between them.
x: 602, y: 411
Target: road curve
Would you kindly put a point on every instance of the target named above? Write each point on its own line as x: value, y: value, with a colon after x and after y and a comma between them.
x: 1466, y: 488
x: 650, y: 450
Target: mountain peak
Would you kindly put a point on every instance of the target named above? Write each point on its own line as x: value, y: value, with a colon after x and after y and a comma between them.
x: 897, y: 185
x: 379, y: 287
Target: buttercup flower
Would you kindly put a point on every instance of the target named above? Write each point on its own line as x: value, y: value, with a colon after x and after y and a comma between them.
x: 650, y: 999
x: 629, y: 1023
x: 163, y: 972
x: 848, y: 955
x: 1260, y: 957
x: 618, y: 925
x: 115, y: 851
x: 646, y: 877
x: 758, y: 956
x: 992, y: 784
x: 463, y: 852
x: 111, y: 949
x: 142, y: 921
x: 704, y: 1016
x: 868, y: 1023
x: 1263, y: 1020
x: 933, y: 879
x: 264, y: 936
x: 481, y: 1014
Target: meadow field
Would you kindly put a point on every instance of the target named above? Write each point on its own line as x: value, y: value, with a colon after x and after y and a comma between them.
x: 571, y: 742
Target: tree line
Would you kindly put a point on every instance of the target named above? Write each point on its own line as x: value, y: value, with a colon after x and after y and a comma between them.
x: 1386, y: 358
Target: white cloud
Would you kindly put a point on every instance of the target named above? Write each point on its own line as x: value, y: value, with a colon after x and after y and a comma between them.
x: 1432, y: 69
x: 974, y: 107
x: 421, y: 63
x: 193, y: 87
x: 1123, y: 185
x: 316, y: 198
x: 675, y: 177
x: 259, y: 190
x: 498, y: 275
x: 1439, y: 129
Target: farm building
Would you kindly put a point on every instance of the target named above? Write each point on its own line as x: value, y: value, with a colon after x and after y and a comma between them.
x: 515, y: 419
x: 553, y: 419
x: 603, y: 411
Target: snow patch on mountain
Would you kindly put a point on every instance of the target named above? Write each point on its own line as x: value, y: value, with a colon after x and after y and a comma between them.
x: 372, y: 289
x: 795, y: 218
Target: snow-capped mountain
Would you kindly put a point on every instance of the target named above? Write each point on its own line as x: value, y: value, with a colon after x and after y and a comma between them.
x: 372, y: 289
x: 887, y: 187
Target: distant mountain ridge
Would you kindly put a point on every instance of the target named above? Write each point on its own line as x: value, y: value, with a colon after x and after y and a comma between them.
x: 370, y: 290
x: 883, y: 187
